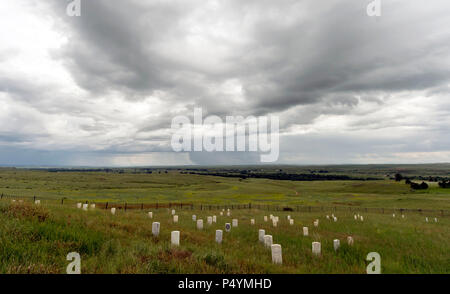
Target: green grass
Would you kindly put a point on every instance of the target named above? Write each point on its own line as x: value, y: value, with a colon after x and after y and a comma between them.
x: 36, y: 239
x: 177, y: 187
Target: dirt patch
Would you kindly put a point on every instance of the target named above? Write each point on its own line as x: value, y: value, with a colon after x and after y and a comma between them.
x: 27, y: 211
x: 174, y: 254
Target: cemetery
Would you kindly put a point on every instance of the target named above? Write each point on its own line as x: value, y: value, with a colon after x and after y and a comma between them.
x: 160, y: 241
x: 37, y: 233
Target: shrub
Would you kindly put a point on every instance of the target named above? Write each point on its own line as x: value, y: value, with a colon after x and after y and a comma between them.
x: 421, y: 186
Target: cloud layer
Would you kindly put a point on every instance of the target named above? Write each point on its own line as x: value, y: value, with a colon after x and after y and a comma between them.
x: 102, y: 88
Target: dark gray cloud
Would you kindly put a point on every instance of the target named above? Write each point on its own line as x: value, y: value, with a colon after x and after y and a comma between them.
x: 124, y: 69
x: 294, y: 53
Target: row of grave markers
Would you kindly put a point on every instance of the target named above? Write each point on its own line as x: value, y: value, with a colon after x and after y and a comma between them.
x: 267, y: 240
x: 213, y: 219
x: 276, y: 250
x: 275, y: 219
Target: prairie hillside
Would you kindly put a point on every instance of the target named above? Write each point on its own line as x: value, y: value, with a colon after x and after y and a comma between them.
x: 36, y: 238
x: 179, y: 185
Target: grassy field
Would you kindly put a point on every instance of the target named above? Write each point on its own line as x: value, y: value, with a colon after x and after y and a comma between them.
x: 177, y: 187
x: 37, y: 238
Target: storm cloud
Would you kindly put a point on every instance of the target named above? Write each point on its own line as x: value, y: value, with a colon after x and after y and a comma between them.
x: 102, y: 88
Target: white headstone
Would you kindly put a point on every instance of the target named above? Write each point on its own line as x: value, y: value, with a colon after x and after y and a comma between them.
x: 219, y: 235
x: 227, y: 227
x: 93, y: 206
x: 265, y: 218
x: 362, y: 218
x: 271, y: 216
x: 113, y: 211
x: 252, y: 221
x: 350, y: 240
x: 209, y: 220
x: 194, y: 217
x: 332, y: 215
x: 403, y: 216
x: 200, y: 224
x: 173, y: 211
x: 274, y: 222
x: 228, y: 213
x: 235, y: 222
x: 79, y: 205
x: 261, y: 234
x: 435, y: 220
x: 175, y: 218
x: 335, y: 219
x: 316, y: 248
x: 214, y: 219
x: 37, y: 202
x: 221, y: 213
x: 276, y: 254
x: 316, y: 223
x: 426, y: 219
x: 305, y: 231
x: 288, y: 217
x: 150, y: 214
x: 268, y: 241
x: 328, y: 217
x: 85, y: 207
x: 393, y: 215
x: 356, y: 217
x: 175, y: 238
x: 155, y: 228
x: 336, y: 244
x: 291, y: 221
x: 276, y: 218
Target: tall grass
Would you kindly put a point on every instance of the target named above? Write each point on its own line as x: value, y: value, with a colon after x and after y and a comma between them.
x: 36, y: 239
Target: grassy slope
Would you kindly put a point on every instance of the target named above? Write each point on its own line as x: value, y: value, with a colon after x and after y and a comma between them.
x: 37, y: 240
x: 176, y: 187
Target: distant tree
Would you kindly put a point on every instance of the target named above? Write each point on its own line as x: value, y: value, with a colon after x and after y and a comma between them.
x: 408, y: 181
x: 422, y: 186
x: 398, y: 177
x: 444, y: 184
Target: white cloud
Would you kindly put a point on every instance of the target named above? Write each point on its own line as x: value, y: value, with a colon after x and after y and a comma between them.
x: 104, y: 87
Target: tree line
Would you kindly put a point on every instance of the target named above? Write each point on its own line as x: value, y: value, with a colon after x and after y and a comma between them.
x: 443, y: 183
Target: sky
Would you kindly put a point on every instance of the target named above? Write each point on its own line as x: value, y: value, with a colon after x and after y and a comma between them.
x: 102, y: 88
